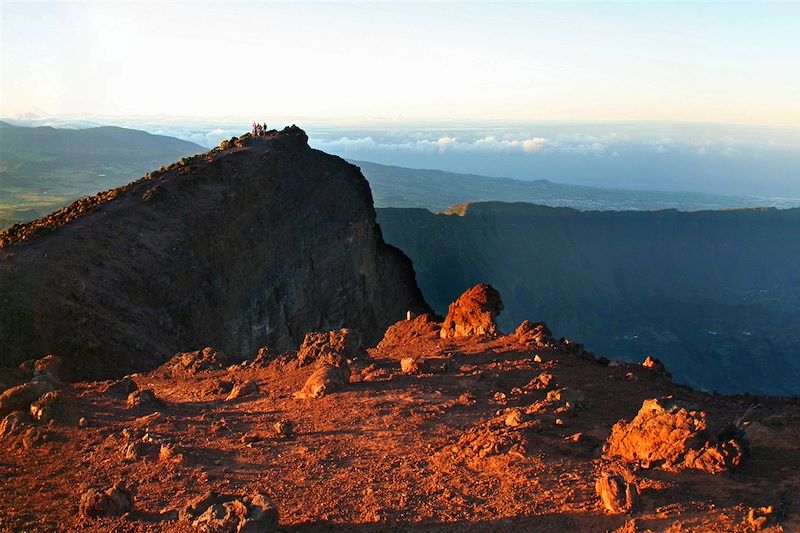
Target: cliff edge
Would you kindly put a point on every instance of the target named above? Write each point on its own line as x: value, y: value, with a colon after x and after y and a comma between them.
x: 251, y: 244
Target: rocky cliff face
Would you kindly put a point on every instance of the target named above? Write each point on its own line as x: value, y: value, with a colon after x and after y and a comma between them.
x: 254, y: 243
x: 714, y: 294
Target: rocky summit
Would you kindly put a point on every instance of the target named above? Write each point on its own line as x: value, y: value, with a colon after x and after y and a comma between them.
x: 254, y: 243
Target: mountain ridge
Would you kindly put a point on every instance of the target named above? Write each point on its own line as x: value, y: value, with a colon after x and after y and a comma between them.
x: 227, y: 248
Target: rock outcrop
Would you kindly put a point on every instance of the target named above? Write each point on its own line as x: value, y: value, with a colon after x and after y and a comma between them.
x: 237, y: 248
x: 674, y: 437
x: 474, y: 313
x: 114, y: 501
x: 330, y: 347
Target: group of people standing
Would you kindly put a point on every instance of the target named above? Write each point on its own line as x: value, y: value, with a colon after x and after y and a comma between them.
x: 259, y: 129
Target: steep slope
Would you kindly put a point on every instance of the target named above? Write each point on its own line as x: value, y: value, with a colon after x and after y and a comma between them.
x: 714, y: 294
x: 42, y: 169
x: 240, y: 247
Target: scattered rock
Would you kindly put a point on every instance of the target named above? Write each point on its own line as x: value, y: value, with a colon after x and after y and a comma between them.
x: 514, y: 418
x: 196, y: 362
x: 257, y: 514
x: 83, y: 422
x: 473, y: 313
x: 573, y: 397
x: 15, y: 423
x: 121, y: 387
x: 132, y: 451
x: 652, y: 362
x: 330, y: 348
x: 758, y: 518
x: 144, y: 398
x: 325, y: 380
x: 52, y: 368
x: 283, y: 428
x: 617, y: 495
x: 409, y: 365
x: 419, y: 331
x: 20, y: 398
x: 672, y: 436
x: 542, y: 381
x: 114, y: 501
x: 242, y: 389
x: 51, y: 406
x: 167, y: 454
x: 533, y: 334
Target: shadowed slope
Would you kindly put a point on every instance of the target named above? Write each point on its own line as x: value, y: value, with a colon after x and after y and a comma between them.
x: 238, y: 248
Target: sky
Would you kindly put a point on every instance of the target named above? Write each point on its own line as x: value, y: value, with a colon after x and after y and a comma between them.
x: 358, y: 63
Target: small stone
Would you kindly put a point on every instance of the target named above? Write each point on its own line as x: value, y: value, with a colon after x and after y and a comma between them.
x: 283, y: 428
x: 409, y: 365
x: 513, y: 419
x: 617, y: 495
x: 83, y: 423
x: 537, y: 359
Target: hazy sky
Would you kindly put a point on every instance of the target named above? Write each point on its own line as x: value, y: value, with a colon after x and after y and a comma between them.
x: 534, y: 61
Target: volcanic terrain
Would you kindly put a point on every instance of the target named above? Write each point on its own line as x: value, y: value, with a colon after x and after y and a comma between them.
x: 322, y: 400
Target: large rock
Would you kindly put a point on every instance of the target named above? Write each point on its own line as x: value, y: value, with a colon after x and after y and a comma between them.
x: 473, y: 313
x: 20, y: 398
x: 325, y: 380
x: 416, y: 333
x: 198, y: 361
x: 533, y: 334
x: 331, y: 347
x: 114, y: 501
x: 239, y: 248
x: 674, y: 437
x: 212, y: 513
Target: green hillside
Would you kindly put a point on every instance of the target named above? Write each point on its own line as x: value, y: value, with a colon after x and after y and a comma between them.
x: 43, y: 169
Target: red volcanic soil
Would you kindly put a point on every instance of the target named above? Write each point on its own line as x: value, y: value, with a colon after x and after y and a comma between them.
x: 438, y: 450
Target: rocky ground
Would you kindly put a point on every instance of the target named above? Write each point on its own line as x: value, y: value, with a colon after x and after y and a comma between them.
x: 422, y: 433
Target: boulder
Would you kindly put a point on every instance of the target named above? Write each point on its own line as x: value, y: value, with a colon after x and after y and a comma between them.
x: 52, y: 405
x: 324, y: 380
x: 20, y: 398
x: 143, y: 398
x: 198, y: 361
x: 408, y: 334
x: 330, y: 347
x: 217, y: 514
x: 242, y: 389
x: 121, y: 387
x: 53, y: 369
x: 473, y: 314
x: 283, y: 428
x: 409, y: 365
x: 533, y: 334
x: 14, y: 424
x: 673, y: 436
x: 617, y: 495
x: 114, y: 501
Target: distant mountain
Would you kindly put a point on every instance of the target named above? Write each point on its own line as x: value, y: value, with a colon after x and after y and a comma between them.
x: 437, y: 190
x: 44, y: 168
x: 715, y: 294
